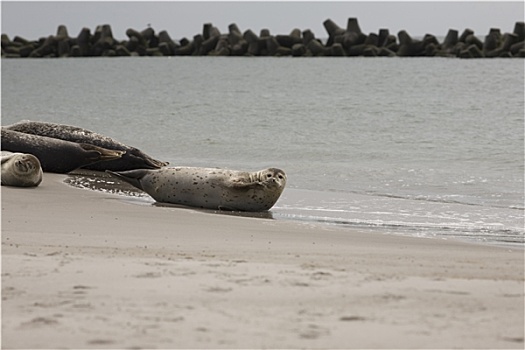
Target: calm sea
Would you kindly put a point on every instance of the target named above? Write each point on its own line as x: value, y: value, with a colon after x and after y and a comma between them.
x: 413, y: 146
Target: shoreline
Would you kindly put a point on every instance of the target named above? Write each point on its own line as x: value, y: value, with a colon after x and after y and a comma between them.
x: 285, y: 210
x: 86, y: 269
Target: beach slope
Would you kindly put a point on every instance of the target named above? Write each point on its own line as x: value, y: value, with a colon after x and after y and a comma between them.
x: 87, y: 269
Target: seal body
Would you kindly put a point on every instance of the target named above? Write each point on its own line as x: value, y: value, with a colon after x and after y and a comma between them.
x: 210, y: 188
x: 56, y: 156
x: 20, y: 170
x: 133, y: 158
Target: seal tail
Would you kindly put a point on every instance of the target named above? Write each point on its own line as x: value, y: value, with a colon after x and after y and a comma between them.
x: 132, y: 177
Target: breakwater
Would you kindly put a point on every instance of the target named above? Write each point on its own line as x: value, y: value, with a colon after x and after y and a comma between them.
x: 349, y: 41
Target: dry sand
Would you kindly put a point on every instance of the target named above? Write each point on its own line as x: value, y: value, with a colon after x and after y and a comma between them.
x: 86, y: 269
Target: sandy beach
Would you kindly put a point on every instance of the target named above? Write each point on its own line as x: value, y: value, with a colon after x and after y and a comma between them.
x: 87, y: 269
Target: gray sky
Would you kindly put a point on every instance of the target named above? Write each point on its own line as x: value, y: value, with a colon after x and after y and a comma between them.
x: 33, y: 20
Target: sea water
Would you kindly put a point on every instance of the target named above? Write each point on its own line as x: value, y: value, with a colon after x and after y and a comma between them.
x: 429, y: 147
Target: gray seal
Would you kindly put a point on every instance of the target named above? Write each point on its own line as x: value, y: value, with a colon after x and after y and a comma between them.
x: 133, y: 158
x: 20, y: 170
x: 56, y: 156
x: 210, y: 188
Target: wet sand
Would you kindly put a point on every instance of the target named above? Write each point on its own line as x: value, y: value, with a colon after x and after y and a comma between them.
x: 86, y: 269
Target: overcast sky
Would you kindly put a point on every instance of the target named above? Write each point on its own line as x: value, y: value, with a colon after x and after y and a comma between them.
x: 33, y: 20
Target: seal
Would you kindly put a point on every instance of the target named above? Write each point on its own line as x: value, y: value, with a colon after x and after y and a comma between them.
x: 56, y: 156
x: 210, y: 188
x: 133, y: 158
x: 20, y: 170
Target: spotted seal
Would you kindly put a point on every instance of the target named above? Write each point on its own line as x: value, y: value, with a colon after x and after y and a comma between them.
x: 56, y: 156
x: 20, y: 170
x: 210, y: 188
x: 133, y: 158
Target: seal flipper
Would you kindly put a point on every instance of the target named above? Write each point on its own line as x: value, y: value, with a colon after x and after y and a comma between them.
x: 149, y: 162
x: 132, y: 177
x: 244, y: 185
x: 101, y: 154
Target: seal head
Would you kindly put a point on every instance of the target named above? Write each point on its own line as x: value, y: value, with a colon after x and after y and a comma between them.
x: 20, y: 170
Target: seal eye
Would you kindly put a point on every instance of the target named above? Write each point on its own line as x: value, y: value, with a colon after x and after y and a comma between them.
x: 269, y: 175
x: 280, y: 177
